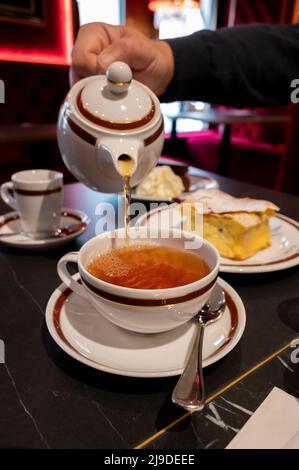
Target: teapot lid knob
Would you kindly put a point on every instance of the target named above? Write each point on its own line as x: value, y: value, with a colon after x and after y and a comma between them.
x: 119, y: 77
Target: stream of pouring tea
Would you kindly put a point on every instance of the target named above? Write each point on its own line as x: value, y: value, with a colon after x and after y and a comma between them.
x: 126, y: 168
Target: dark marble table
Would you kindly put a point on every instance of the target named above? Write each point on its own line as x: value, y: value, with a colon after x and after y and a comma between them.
x: 48, y: 400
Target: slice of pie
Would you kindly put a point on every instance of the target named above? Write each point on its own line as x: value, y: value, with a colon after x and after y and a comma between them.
x: 237, y: 227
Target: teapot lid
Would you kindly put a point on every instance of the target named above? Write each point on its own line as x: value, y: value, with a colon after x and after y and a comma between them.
x: 116, y: 101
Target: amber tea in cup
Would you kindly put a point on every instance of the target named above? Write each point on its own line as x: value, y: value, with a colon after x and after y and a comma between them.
x: 152, y: 273
x: 148, y: 267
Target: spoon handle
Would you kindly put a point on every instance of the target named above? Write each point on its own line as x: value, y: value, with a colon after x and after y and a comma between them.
x: 189, y: 392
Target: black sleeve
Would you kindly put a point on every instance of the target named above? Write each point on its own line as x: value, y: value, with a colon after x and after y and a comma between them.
x: 251, y: 65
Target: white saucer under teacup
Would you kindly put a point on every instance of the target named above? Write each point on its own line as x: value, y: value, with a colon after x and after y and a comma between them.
x: 73, y: 221
x: 82, y: 333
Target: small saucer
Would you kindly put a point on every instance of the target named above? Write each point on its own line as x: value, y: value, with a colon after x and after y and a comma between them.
x: 88, y: 337
x: 10, y: 223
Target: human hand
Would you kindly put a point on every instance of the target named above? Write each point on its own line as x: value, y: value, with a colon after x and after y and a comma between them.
x: 100, y: 44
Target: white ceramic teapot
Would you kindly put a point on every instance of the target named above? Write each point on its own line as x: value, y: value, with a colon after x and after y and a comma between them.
x: 104, y: 118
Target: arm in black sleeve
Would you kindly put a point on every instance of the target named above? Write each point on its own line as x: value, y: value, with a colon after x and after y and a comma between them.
x: 250, y: 65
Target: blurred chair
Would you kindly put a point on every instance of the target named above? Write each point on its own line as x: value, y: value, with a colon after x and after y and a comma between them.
x: 257, y: 150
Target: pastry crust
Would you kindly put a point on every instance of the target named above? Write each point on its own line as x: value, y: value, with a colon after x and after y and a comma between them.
x: 238, y: 228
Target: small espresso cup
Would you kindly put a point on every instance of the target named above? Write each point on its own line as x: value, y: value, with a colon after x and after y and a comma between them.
x: 37, y: 197
x: 142, y: 310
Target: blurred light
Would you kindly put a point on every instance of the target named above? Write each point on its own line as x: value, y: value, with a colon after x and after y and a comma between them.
x: 178, y: 25
x: 198, y: 105
x: 156, y: 4
x: 66, y: 33
x: 189, y: 125
x: 95, y: 10
x: 176, y: 18
x: 171, y: 109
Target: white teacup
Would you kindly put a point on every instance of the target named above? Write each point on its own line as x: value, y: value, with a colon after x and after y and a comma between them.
x: 37, y: 197
x: 142, y: 310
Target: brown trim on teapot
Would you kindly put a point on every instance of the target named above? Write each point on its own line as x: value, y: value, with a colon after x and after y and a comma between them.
x: 89, y: 138
x: 149, y: 140
x: 122, y: 126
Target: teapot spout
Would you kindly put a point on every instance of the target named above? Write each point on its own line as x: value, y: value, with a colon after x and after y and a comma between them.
x: 124, y: 153
x: 126, y: 165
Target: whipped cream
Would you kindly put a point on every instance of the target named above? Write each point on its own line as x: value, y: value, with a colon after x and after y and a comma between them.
x: 161, y: 182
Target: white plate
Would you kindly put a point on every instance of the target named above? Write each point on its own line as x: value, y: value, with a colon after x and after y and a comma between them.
x: 10, y: 223
x: 196, y: 182
x: 282, y: 254
x: 88, y: 337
